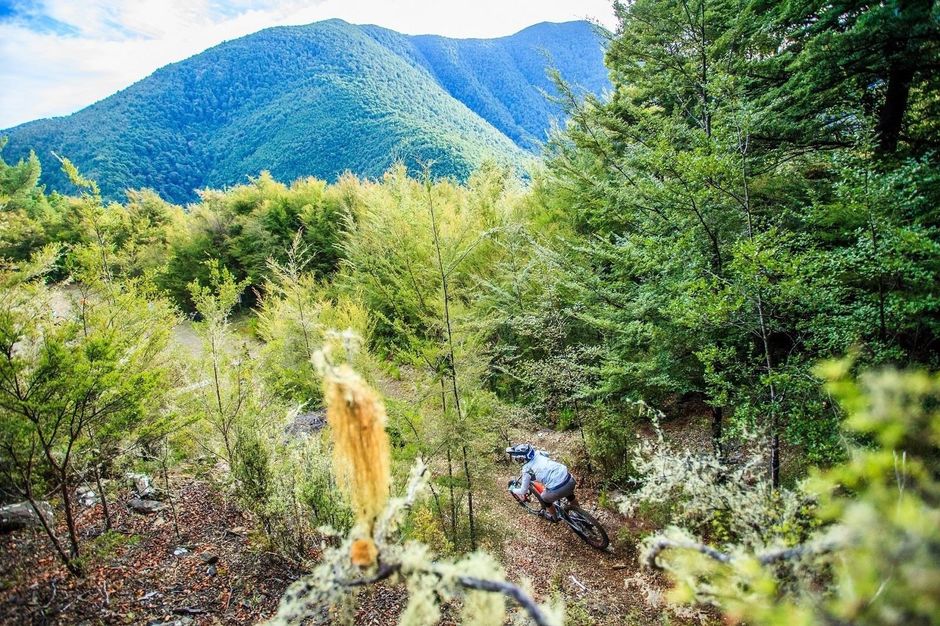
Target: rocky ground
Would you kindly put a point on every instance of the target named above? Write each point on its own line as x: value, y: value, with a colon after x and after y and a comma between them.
x: 141, y: 572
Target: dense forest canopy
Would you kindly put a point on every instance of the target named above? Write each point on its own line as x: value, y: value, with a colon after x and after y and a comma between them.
x: 742, y: 233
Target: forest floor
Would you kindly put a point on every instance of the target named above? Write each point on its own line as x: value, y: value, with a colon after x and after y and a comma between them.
x: 141, y: 572
x: 215, y: 571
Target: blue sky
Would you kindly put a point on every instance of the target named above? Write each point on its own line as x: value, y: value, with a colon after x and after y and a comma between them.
x: 57, y: 56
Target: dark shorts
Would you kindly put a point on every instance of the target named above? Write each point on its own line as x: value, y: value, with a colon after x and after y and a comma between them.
x: 564, y: 490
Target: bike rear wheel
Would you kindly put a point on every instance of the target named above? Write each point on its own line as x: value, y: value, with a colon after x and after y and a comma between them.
x: 589, y: 529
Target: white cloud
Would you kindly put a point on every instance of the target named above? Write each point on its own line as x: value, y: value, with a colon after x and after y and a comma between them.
x: 57, y: 56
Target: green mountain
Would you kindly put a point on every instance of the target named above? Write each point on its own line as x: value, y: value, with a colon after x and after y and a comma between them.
x: 320, y: 100
x: 504, y: 80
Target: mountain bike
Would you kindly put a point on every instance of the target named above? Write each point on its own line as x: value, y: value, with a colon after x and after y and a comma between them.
x: 580, y: 521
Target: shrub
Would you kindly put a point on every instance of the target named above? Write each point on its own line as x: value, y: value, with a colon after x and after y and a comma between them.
x: 729, y: 502
x: 881, y: 536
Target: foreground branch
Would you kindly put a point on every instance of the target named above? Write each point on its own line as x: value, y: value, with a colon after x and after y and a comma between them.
x: 798, y: 551
x: 386, y: 570
x: 468, y: 582
x: 661, y: 544
x: 319, y: 593
x: 508, y: 589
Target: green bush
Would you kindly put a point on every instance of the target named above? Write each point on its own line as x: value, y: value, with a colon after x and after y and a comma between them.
x: 611, y: 438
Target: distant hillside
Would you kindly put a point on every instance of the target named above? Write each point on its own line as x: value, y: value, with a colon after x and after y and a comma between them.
x: 319, y: 100
x: 503, y: 80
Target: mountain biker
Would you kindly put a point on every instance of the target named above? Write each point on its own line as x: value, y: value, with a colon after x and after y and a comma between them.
x: 558, y: 481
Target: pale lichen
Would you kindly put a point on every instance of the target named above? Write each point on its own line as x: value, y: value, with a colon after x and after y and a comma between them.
x: 361, y: 454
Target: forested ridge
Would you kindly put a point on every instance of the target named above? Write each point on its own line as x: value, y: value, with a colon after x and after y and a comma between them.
x: 715, y: 299
x: 320, y: 100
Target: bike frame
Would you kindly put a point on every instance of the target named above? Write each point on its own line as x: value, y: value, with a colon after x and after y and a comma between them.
x: 563, y: 506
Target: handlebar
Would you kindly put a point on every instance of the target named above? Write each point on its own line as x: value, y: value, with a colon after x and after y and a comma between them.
x: 510, y: 486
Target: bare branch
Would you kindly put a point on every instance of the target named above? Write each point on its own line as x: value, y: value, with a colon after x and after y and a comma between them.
x: 508, y: 589
x: 783, y: 554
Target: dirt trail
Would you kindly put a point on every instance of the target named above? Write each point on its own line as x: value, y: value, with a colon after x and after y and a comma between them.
x: 551, y: 556
x: 556, y: 560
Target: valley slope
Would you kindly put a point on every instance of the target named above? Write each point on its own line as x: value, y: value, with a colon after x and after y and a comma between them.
x: 319, y: 100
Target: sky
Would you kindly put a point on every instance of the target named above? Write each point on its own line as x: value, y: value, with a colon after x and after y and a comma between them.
x: 58, y: 56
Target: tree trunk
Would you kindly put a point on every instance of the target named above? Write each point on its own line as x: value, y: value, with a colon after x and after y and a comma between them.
x: 69, y: 563
x: 473, y: 531
x: 717, y: 417
x: 450, y: 471
x: 453, y: 501
x: 298, y: 519
x: 587, y: 453
x: 437, y: 506
x: 452, y: 359
x: 104, y: 499
x: 904, y: 55
x: 775, y: 458
x: 69, y: 518
x: 169, y: 494
x: 873, y: 232
x: 774, y: 426
x: 891, y: 116
x: 774, y: 433
x: 764, y: 332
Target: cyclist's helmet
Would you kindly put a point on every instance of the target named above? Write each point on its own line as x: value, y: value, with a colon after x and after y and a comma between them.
x: 521, y: 453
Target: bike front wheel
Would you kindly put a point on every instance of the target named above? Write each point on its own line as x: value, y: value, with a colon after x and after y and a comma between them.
x: 589, y: 529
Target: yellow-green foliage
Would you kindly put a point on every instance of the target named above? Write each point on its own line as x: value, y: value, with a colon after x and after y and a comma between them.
x: 424, y: 527
x: 305, y: 471
x: 293, y: 321
x: 285, y: 479
x: 222, y: 393
x: 82, y: 372
x: 407, y: 243
x: 390, y: 254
